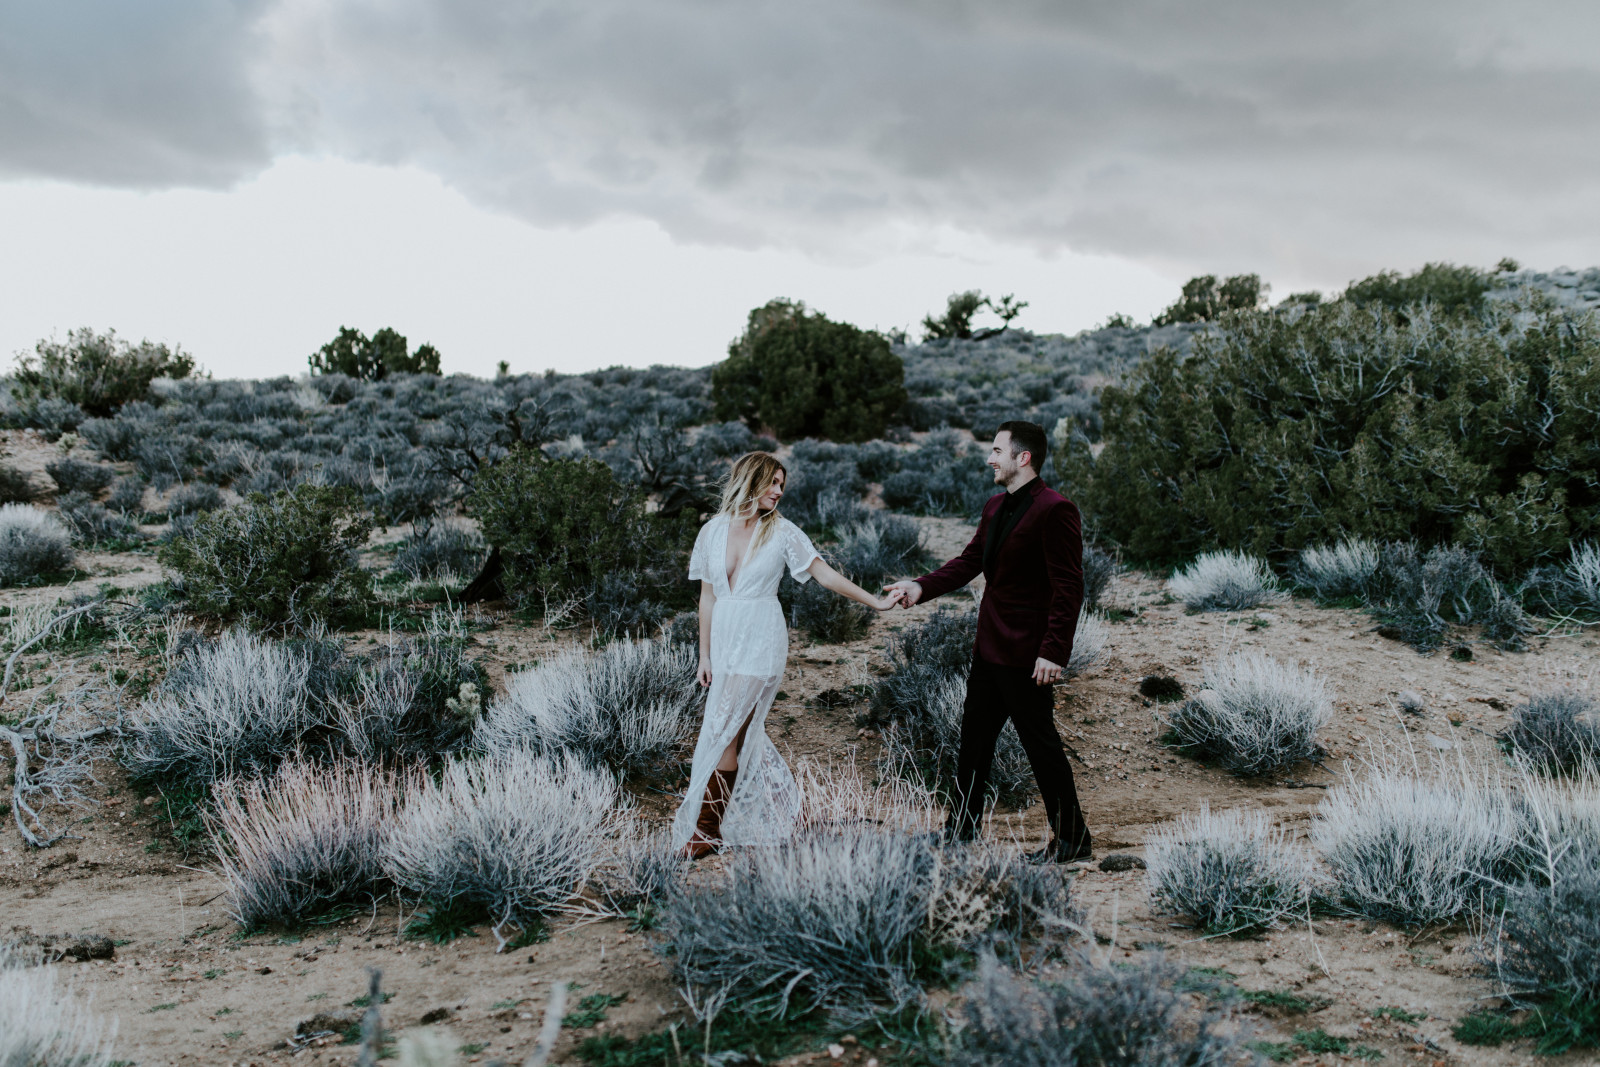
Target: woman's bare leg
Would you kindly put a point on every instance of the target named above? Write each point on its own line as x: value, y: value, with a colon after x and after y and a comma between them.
x: 730, y: 755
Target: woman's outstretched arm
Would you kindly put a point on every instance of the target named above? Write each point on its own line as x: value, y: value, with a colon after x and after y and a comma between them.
x: 832, y: 580
x: 708, y: 600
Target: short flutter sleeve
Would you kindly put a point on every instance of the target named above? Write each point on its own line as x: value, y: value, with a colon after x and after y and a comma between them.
x: 700, y: 569
x: 798, y: 551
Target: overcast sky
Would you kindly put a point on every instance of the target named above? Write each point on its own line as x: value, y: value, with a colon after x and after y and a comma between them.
x: 577, y: 184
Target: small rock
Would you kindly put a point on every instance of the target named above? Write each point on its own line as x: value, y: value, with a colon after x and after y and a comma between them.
x: 1161, y: 687
x: 835, y: 1052
x: 334, y: 1021
x: 1121, y: 861
x: 1412, y: 702
x: 263, y: 970
x: 150, y: 802
x: 1440, y: 743
x: 439, y: 1015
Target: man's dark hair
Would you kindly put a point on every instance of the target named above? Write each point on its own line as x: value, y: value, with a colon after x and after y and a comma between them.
x: 1028, y: 437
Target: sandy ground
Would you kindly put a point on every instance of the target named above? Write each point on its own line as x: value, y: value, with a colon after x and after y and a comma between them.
x: 185, y: 988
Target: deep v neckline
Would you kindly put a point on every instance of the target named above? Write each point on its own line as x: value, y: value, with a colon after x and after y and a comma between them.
x: 729, y: 578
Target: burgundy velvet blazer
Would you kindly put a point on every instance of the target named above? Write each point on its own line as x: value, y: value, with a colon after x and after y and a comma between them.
x: 1035, y: 590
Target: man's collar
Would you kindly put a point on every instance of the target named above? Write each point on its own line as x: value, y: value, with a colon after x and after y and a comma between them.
x: 1031, y: 486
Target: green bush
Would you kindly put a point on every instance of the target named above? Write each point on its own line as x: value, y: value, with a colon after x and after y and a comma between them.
x: 1205, y: 299
x: 370, y: 359
x: 96, y: 371
x: 1446, y: 286
x: 1283, y: 430
x: 280, y: 562
x: 563, y: 525
x: 805, y: 375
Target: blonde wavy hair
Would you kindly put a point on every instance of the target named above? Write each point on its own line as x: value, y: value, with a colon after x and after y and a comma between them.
x: 752, y: 475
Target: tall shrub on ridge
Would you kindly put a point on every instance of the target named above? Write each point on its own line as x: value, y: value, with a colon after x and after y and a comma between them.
x: 1283, y: 430
x: 805, y: 375
x: 99, y: 372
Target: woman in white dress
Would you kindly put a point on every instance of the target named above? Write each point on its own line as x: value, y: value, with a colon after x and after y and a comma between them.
x: 740, y: 790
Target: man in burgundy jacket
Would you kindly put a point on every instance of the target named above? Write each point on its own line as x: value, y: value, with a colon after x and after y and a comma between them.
x: 1029, y: 548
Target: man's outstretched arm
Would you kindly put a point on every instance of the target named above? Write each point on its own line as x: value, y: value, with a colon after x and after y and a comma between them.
x: 953, y: 575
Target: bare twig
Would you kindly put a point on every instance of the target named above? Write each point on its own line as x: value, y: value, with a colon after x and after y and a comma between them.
x: 554, y: 1012
x: 372, y: 1022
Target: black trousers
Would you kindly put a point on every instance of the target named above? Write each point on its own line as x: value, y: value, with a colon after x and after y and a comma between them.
x: 995, y: 694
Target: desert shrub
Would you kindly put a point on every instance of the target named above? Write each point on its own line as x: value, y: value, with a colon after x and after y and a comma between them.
x: 944, y: 475
x: 355, y: 355
x: 1555, y: 732
x: 43, y: 1024
x: 54, y: 416
x: 1253, y: 715
x: 644, y: 871
x: 804, y: 375
x: 33, y: 544
x: 1100, y: 569
x: 282, y: 562
x: 1233, y: 871
x: 296, y: 846
x: 235, y: 708
x: 920, y: 657
x: 920, y: 745
x: 620, y: 605
x: 683, y: 630
x: 845, y: 921
x: 127, y: 495
x: 1106, y: 1016
x: 1442, y: 285
x: 880, y: 547
x: 1205, y: 299
x: 1346, y: 569
x: 515, y: 835
x: 440, y: 549
x: 1418, y: 595
x: 413, y: 699
x: 627, y: 707
x: 825, y: 617
x: 1407, y: 849
x: 1089, y: 643
x: 97, y: 372
x: 194, y: 498
x: 563, y: 524
x: 1225, y: 581
x: 76, y: 475
x: 1282, y: 430
x: 91, y: 520
x: 1570, y: 588
x: 15, y: 486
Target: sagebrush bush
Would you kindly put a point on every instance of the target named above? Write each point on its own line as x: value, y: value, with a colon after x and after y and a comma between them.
x: 880, y: 548
x: 235, y: 708
x: 944, y: 475
x: 1089, y: 643
x: 628, y: 707
x: 514, y: 834
x: 33, y: 544
x: 619, y: 606
x: 1108, y: 1016
x: 645, y: 869
x: 91, y: 520
x: 1225, y: 581
x: 1335, y: 572
x: 1233, y: 870
x: 805, y: 375
x: 920, y: 657
x: 283, y: 563
x: 1253, y: 715
x: 1282, y: 430
x: 440, y: 549
x: 1100, y: 570
x: 295, y: 846
x: 1415, y: 850
x: 43, y: 1024
x: 76, y: 475
x: 922, y: 741
x: 194, y: 498
x: 824, y: 616
x: 127, y: 495
x: 842, y: 921
x: 15, y: 486
x: 1556, y: 732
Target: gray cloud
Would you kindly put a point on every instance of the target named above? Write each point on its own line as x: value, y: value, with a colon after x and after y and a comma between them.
x: 1318, y: 142
x: 144, y: 95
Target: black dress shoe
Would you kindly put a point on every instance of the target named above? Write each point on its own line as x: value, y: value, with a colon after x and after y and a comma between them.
x: 1058, y: 851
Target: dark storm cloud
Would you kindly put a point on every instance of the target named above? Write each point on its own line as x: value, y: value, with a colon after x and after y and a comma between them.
x: 1313, y: 140
x: 143, y: 94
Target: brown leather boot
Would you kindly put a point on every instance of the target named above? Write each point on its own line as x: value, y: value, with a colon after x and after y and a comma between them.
x: 708, y: 828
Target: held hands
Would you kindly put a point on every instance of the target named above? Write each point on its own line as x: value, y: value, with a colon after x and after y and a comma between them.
x: 907, y: 591
x: 884, y: 603
x: 1045, y: 672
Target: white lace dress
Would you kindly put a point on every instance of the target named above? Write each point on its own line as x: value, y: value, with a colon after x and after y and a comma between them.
x: 749, y: 650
